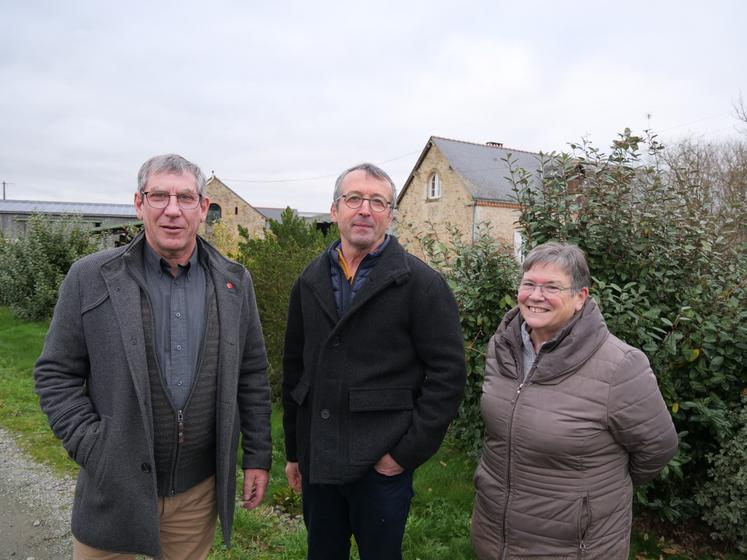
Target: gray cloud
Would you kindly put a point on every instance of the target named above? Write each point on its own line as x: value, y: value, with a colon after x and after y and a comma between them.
x: 293, y: 90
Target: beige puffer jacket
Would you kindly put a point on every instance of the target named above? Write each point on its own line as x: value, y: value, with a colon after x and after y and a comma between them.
x: 563, y: 450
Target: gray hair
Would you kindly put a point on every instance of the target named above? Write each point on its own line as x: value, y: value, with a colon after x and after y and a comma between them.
x: 170, y: 163
x: 569, y: 257
x: 372, y: 171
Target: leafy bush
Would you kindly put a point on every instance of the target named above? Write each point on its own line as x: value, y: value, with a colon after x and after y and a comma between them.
x: 483, y: 276
x: 667, y: 279
x: 32, y: 268
x: 724, y: 495
x: 224, y: 237
x: 275, y: 262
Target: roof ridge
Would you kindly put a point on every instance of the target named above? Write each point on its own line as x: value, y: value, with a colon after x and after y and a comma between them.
x: 66, y: 202
x: 484, y: 145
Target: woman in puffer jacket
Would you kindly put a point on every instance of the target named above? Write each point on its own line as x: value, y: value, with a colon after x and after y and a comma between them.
x: 573, y: 420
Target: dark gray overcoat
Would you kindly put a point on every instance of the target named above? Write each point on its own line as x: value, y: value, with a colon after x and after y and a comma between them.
x: 92, y: 381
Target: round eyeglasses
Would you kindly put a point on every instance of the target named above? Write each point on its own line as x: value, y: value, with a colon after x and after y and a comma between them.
x: 160, y: 199
x: 355, y: 201
x: 547, y: 289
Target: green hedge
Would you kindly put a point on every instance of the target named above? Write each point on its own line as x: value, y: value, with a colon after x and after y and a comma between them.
x: 32, y: 267
x: 669, y: 267
x: 275, y: 262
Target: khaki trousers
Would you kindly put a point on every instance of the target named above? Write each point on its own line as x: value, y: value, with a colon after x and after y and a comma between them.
x: 187, y: 527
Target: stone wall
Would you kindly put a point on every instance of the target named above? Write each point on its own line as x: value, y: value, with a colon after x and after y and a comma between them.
x: 234, y: 210
x: 500, y: 217
x: 418, y: 215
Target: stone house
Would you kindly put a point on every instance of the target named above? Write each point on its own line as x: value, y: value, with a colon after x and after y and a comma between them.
x: 232, y: 210
x: 462, y: 184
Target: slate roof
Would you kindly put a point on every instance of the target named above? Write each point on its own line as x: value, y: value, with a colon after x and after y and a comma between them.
x: 482, y: 166
x: 81, y: 208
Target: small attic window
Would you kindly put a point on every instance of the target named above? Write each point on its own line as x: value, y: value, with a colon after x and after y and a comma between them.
x: 434, y: 187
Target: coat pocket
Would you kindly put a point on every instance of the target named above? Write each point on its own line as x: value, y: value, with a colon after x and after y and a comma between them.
x: 96, y: 455
x: 584, y: 522
x: 371, y: 400
x: 379, y: 418
x: 546, y: 524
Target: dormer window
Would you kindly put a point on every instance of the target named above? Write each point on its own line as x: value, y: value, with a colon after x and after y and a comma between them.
x: 434, y: 186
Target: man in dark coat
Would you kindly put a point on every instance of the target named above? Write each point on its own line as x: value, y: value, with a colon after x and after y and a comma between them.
x: 153, y: 365
x: 373, y: 373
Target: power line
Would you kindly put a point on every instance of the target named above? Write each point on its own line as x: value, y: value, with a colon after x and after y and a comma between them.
x: 694, y: 122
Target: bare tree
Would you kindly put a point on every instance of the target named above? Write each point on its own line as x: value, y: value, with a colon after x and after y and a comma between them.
x: 715, y: 175
x: 740, y: 111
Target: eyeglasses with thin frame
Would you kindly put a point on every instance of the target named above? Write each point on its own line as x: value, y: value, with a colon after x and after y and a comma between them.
x: 528, y: 287
x: 355, y: 201
x: 161, y: 199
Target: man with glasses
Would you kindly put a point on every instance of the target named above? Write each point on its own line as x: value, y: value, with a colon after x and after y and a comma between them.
x: 153, y: 365
x: 373, y: 372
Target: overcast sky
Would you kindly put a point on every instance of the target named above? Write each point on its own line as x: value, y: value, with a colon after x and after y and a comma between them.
x: 278, y: 97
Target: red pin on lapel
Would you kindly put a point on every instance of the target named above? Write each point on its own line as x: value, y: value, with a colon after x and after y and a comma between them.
x: 229, y: 285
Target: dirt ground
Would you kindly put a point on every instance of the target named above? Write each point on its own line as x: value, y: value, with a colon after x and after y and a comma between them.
x: 34, y: 508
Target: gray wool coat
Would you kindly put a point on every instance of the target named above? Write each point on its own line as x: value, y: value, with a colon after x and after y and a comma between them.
x: 564, y: 448
x: 92, y: 381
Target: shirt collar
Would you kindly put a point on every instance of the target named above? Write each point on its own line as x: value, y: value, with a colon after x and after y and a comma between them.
x: 526, y: 338
x: 373, y: 254
x: 155, y: 264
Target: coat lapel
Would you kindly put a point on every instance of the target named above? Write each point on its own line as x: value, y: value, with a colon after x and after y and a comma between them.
x: 123, y: 277
x: 228, y: 290
x: 320, y: 284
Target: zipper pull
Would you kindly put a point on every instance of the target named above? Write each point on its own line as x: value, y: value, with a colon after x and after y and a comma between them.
x: 521, y: 386
x: 180, y: 426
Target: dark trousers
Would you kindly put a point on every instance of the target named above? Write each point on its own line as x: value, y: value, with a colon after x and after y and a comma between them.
x: 373, y: 509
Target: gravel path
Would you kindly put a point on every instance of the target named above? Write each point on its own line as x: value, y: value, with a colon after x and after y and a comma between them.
x: 34, y: 507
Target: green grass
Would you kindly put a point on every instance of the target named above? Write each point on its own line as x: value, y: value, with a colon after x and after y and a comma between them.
x: 438, y: 527
x: 20, y: 345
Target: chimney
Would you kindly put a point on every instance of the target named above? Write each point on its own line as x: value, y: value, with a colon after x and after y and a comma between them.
x: 494, y: 144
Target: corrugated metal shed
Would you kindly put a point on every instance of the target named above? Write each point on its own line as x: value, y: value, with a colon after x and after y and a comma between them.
x: 78, y: 208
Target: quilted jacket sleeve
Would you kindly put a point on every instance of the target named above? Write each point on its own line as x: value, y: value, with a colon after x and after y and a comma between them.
x: 639, y: 418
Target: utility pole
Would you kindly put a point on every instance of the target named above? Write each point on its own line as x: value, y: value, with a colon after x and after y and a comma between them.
x: 6, y: 183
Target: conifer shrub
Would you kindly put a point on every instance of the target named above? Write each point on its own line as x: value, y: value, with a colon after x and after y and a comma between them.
x: 275, y: 262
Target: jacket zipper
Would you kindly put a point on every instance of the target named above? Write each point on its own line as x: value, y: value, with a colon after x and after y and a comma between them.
x: 525, y: 382
x: 179, y: 442
x: 504, y: 552
x: 584, y: 520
